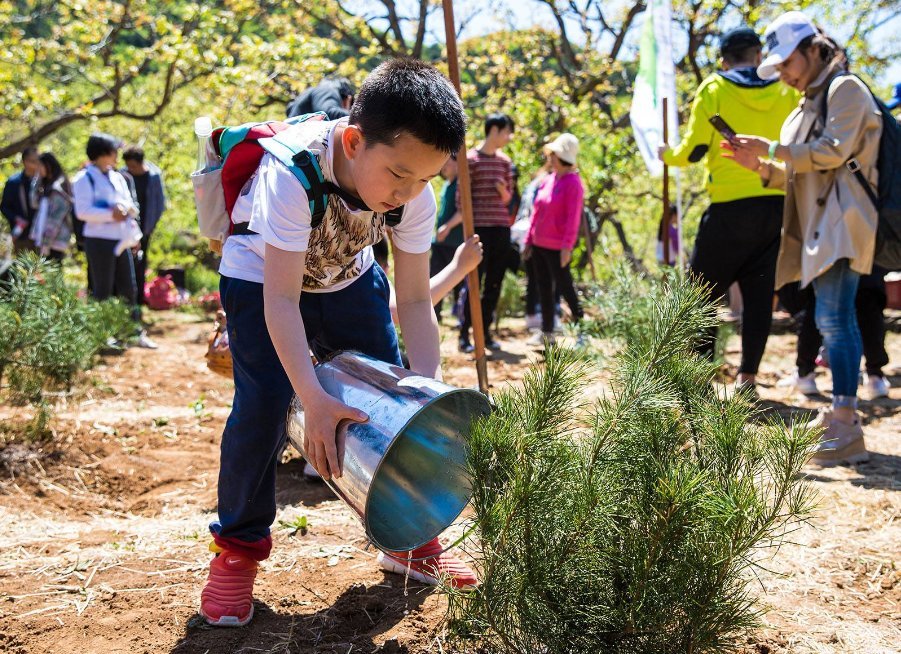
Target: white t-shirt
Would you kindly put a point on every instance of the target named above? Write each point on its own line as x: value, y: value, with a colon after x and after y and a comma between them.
x: 339, y: 250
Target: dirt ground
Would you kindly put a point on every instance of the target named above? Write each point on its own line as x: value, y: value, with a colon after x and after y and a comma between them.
x: 104, y: 541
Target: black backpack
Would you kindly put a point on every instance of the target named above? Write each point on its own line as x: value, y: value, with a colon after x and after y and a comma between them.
x: 887, y: 197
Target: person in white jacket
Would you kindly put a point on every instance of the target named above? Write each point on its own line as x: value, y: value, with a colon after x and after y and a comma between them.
x: 103, y: 200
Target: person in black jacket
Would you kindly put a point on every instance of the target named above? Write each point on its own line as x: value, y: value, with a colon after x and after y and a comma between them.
x: 17, y: 206
x: 334, y: 96
x: 147, y: 182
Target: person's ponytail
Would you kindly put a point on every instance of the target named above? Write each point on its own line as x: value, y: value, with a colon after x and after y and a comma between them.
x: 827, y: 48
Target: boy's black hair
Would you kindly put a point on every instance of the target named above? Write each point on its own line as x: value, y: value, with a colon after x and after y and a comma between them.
x: 134, y: 153
x: 100, y: 144
x: 28, y: 150
x: 498, y: 120
x: 408, y: 95
x: 742, y: 55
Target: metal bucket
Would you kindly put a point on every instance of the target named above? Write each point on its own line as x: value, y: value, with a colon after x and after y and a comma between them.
x: 404, y: 471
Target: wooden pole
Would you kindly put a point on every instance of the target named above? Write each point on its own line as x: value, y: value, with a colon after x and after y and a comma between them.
x: 666, y: 203
x: 472, y: 279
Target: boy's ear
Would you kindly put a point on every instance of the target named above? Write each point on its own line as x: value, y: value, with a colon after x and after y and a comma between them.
x: 352, y: 141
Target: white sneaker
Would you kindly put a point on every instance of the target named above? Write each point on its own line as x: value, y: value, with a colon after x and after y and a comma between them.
x: 542, y: 339
x: 876, y: 387
x: 146, y: 342
x: 533, y: 323
x: 806, y: 384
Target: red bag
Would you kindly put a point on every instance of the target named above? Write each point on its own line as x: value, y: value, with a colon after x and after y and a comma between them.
x: 161, y: 293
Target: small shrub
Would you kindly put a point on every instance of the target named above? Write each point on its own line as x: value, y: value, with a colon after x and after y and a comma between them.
x: 635, y: 528
x: 512, y: 299
x: 47, y: 334
x: 200, y: 279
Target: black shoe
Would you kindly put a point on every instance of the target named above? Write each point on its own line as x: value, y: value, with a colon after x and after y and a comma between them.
x: 465, y: 346
x: 491, y: 344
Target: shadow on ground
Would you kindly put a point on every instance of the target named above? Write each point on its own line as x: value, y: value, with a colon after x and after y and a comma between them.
x: 353, y: 622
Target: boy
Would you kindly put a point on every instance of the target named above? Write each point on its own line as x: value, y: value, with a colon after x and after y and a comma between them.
x: 491, y: 175
x: 288, y: 288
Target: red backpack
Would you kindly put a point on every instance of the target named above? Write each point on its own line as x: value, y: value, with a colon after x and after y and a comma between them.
x: 161, y: 293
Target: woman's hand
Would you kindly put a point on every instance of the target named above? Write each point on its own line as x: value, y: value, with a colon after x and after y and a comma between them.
x: 323, y: 445
x: 526, y: 252
x: 754, y: 144
x: 742, y: 156
x: 565, y: 257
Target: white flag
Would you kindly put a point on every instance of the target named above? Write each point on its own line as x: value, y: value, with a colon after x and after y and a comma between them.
x: 656, y: 80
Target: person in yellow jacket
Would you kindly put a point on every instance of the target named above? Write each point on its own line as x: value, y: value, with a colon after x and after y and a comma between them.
x: 738, y: 238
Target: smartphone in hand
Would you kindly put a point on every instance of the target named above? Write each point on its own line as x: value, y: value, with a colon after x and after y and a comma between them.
x: 722, y: 127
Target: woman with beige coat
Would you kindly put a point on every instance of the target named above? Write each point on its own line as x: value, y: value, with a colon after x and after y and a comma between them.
x: 829, y: 223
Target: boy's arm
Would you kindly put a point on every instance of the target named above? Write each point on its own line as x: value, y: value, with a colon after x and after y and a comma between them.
x: 415, y: 313
x: 467, y: 256
x: 283, y: 273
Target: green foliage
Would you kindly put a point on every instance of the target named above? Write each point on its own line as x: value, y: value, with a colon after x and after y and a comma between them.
x: 143, y: 70
x: 511, y: 301
x: 200, y: 279
x: 47, y: 334
x: 637, y: 528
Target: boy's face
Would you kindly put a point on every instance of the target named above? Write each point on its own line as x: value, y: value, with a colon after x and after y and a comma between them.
x: 387, y: 176
x: 502, y: 136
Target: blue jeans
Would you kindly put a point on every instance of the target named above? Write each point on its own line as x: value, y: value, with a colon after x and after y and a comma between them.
x: 836, y: 318
x: 354, y: 318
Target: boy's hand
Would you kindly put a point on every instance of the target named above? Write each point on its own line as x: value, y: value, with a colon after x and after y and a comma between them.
x: 442, y: 233
x: 469, y: 253
x: 322, y: 444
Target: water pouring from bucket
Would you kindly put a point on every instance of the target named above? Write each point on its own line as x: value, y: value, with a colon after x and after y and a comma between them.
x: 405, y: 468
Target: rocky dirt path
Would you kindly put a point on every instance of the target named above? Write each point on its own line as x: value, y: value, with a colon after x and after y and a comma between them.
x: 103, y: 546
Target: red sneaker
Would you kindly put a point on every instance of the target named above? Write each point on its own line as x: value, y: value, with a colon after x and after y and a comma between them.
x: 227, y: 598
x: 429, y: 570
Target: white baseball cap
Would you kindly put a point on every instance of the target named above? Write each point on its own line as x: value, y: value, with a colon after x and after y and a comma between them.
x: 566, y: 147
x: 781, y: 39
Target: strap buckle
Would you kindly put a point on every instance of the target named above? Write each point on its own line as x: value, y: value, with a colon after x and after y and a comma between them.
x: 853, y: 165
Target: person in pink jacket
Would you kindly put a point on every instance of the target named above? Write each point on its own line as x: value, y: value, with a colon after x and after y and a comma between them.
x: 554, y: 230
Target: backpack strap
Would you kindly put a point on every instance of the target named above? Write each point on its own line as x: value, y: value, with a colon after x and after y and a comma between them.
x: 304, y: 165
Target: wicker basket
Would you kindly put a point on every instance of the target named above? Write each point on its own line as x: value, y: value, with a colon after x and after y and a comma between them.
x: 218, y: 355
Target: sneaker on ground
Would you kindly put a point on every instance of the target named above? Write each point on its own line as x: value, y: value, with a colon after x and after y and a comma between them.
x: 227, y: 598
x: 491, y: 344
x: 876, y: 386
x: 465, y: 346
x: 806, y: 384
x: 822, y: 359
x: 436, y: 566
x: 542, y: 339
x: 839, y: 441
x: 146, y: 342
x: 310, y: 472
